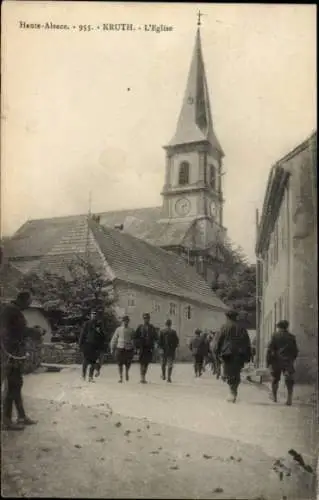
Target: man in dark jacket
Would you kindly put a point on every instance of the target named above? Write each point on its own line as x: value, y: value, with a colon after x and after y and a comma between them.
x: 233, y: 347
x: 281, y: 354
x: 168, y: 343
x: 216, y: 364
x: 198, y: 347
x: 145, y: 339
x: 91, y: 343
x: 14, y: 332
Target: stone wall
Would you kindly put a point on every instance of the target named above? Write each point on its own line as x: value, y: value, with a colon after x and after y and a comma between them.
x: 58, y: 353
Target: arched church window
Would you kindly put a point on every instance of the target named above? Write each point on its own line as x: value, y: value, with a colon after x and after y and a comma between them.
x: 212, y: 177
x: 183, y: 177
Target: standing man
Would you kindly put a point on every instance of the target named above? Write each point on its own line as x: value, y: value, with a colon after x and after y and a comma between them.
x: 233, y: 347
x: 215, y: 359
x: 281, y: 356
x: 198, y: 347
x: 123, y: 348
x: 101, y: 335
x: 168, y: 343
x: 205, y: 350
x: 91, y: 343
x: 145, y: 340
x: 14, y: 332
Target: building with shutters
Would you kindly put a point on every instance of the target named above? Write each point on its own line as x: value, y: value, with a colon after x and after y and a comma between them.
x: 286, y: 250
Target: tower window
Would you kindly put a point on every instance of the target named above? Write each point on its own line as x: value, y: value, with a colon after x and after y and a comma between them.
x: 212, y: 177
x: 183, y: 177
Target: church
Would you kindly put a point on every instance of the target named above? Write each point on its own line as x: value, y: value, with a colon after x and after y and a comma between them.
x: 190, y: 220
x: 163, y: 258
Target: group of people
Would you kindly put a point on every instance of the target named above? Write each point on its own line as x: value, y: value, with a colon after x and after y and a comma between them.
x: 229, y: 348
x: 227, y: 351
x: 125, y: 342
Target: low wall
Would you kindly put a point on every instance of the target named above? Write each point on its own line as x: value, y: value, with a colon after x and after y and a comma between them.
x: 64, y: 354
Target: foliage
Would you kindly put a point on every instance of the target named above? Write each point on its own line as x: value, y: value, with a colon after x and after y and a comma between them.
x: 68, y: 299
x: 238, y: 291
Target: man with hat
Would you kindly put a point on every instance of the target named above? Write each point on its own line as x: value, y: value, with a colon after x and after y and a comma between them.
x: 91, y: 343
x: 168, y: 343
x: 145, y: 339
x: 122, y: 346
x: 281, y: 354
x: 198, y: 347
x: 233, y: 347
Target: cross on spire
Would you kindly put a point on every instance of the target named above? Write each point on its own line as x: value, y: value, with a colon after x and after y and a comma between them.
x: 199, y: 15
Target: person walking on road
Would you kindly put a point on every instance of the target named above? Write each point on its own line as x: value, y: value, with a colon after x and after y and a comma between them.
x: 91, y: 343
x: 168, y: 343
x: 123, y: 348
x: 282, y: 353
x: 198, y: 349
x: 14, y: 333
x: 145, y: 339
x: 205, y: 350
x: 233, y: 347
x: 216, y: 363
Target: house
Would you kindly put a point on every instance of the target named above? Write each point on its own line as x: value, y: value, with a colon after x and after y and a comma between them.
x: 144, y: 278
x: 35, y: 314
x: 286, y: 251
x: 190, y: 220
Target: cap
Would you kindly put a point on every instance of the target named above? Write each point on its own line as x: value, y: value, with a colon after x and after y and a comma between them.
x: 198, y: 330
x: 168, y: 322
x: 126, y: 316
x: 146, y: 315
x: 232, y: 314
x: 283, y: 324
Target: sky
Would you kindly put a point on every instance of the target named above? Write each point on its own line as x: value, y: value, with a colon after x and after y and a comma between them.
x: 70, y: 125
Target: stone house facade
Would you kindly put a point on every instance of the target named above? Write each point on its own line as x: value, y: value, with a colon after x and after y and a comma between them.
x: 286, y: 251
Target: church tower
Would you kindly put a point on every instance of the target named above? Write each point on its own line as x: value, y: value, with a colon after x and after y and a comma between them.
x: 193, y: 178
x: 193, y: 191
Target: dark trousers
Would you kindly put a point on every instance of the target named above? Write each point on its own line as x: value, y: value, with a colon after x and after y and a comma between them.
x: 216, y: 364
x: 14, y: 380
x: 288, y: 371
x: 232, y: 369
x: 124, y: 357
x: 198, y: 364
x: 145, y: 359
x: 90, y: 356
x: 167, y: 360
x: 99, y: 362
x: 87, y: 363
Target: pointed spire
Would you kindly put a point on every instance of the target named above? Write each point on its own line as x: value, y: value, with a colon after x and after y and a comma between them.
x: 195, y: 120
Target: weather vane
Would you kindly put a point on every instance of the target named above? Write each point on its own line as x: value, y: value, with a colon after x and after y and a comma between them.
x: 199, y: 15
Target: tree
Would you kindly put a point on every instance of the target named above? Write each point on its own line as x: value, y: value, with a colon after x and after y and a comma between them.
x: 69, y: 298
x: 238, y: 291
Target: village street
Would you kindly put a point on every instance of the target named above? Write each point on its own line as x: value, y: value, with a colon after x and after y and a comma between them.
x: 180, y: 440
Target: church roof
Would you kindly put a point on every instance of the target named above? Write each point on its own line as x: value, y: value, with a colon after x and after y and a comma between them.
x: 36, y: 237
x: 128, y: 259
x: 195, y: 120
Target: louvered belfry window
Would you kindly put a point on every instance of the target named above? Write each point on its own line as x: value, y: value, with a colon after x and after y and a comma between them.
x: 212, y: 177
x: 183, y: 177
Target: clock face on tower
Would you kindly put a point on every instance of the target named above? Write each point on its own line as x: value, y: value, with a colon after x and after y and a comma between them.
x: 182, y: 207
x: 213, y: 208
